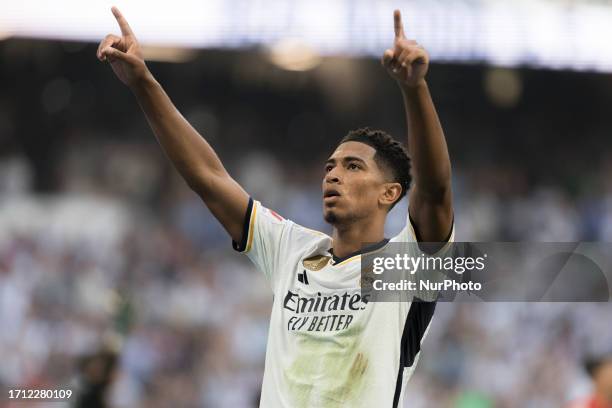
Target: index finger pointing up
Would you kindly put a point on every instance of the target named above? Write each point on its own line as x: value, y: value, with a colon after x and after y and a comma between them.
x: 123, y: 24
x: 397, y: 24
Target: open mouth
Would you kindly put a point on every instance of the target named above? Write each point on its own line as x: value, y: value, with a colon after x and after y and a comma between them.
x: 331, y: 193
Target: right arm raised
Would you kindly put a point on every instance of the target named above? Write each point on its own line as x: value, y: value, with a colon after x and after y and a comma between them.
x: 192, y: 156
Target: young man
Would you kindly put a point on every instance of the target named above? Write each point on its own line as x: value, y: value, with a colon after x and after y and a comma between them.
x: 328, y: 346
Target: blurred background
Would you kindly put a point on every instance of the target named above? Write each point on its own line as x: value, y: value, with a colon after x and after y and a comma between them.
x: 116, y: 280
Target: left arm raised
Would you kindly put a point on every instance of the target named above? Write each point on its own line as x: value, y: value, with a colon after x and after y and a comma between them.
x: 431, y: 207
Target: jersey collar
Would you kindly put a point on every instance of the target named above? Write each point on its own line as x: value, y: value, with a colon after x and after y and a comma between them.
x: 368, y: 248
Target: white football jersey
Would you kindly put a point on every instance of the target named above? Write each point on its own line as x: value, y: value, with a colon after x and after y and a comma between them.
x: 327, y: 346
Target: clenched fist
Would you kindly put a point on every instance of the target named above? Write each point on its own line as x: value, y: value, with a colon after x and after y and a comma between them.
x: 407, y: 62
x: 123, y: 53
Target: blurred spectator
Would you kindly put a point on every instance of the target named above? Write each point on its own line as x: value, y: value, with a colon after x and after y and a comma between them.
x: 600, y: 371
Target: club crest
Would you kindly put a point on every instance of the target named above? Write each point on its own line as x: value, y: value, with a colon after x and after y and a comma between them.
x: 316, y: 263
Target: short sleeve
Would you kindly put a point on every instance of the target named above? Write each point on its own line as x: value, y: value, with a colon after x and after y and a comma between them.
x: 409, y: 237
x: 435, y: 273
x: 263, y: 233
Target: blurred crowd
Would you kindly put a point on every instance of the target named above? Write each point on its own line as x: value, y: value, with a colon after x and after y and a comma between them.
x: 128, y: 261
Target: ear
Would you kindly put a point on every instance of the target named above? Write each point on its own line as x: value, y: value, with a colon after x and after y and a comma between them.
x: 391, y: 192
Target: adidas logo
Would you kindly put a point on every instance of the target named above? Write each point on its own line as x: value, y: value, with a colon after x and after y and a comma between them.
x: 303, y: 278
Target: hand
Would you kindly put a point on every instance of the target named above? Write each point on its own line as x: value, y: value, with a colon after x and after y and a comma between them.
x: 123, y: 53
x: 407, y: 62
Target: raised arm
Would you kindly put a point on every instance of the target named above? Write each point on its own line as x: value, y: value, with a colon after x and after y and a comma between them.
x: 192, y: 156
x: 431, y: 197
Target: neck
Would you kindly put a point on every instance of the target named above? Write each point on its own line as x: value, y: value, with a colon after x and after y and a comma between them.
x: 350, y: 238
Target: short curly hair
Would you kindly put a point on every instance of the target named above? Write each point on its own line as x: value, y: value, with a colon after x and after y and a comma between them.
x: 390, y: 155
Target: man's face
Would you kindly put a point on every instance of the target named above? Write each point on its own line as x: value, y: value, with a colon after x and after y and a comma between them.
x: 353, y: 184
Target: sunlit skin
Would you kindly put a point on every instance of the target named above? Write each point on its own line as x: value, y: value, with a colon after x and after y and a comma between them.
x: 357, y: 195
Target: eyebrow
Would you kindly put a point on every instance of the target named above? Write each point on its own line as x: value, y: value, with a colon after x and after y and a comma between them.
x: 346, y: 160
